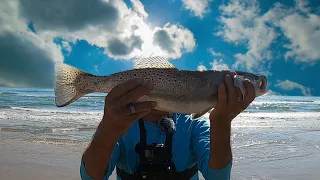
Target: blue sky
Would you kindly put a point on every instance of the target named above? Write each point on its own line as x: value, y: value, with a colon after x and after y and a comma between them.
x: 280, y: 39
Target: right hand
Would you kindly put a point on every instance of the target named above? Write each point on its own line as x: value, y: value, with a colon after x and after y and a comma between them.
x: 118, y: 117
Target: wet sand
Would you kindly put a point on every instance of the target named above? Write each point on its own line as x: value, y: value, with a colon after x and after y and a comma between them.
x: 37, y: 160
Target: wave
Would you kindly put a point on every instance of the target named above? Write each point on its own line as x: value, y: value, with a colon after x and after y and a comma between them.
x: 5, y: 107
x: 53, y: 141
x: 55, y: 111
x: 7, y: 93
x: 54, y: 130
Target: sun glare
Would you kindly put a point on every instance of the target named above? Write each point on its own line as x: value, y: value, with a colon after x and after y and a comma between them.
x: 148, y: 48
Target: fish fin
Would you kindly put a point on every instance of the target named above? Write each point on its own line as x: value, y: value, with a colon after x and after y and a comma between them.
x: 65, y: 88
x: 198, y: 115
x: 152, y: 62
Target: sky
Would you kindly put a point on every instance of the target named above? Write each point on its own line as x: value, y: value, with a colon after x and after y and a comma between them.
x: 276, y: 38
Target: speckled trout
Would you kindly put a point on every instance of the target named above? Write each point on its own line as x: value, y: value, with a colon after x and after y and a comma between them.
x: 179, y: 91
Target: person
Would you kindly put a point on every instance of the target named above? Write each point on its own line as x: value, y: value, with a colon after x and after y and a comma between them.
x: 195, y: 145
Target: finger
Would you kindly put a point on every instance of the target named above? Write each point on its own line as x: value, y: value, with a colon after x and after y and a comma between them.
x: 232, y: 73
x: 222, y: 95
x: 230, y: 89
x: 250, y: 92
x: 136, y: 116
x: 139, y: 107
x: 124, y: 87
x: 239, y: 94
x: 134, y: 94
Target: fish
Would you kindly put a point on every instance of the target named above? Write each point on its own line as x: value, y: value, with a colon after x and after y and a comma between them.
x: 175, y: 91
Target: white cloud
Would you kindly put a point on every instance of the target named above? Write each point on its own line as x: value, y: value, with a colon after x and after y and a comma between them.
x: 219, y: 65
x: 139, y: 8
x: 304, y: 35
x: 214, y: 53
x: 202, y: 68
x: 173, y: 40
x: 290, y: 85
x: 198, y: 7
x: 303, y: 5
x: 215, y: 65
x: 26, y: 58
x: 243, y: 23
x: 66, y: 46
x: 123, y: 32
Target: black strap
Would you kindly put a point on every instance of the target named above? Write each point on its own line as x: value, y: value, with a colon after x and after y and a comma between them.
x: 143, y: 133
x: 184, y: 175
x: 124, y: 175
x: 143, y: 142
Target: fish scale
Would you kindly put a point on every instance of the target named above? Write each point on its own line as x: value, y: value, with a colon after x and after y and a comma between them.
x: 179, y: 91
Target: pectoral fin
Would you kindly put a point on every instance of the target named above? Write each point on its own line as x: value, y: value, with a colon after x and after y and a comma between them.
x: 198, y: 115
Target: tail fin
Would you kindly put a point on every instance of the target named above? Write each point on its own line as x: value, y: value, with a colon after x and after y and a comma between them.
x: 66, y: 90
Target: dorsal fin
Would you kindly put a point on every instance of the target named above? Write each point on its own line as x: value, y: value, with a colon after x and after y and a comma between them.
x: 152, y: 62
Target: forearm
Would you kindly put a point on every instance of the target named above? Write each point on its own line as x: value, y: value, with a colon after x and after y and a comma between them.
x: 220, y: 145
x: 97, y: 155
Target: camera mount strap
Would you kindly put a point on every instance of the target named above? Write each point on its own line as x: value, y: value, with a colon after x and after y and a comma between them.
x: 140, y: 147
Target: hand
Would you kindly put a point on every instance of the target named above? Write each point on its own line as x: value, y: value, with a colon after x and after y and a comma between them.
x: 118, y: 117
x: 228, y: 106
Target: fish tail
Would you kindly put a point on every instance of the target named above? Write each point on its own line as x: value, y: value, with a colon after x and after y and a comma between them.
x: 67, y: 84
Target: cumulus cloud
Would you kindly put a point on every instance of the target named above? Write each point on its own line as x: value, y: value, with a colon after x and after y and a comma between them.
x: 303, y: 5
x: 26, y: 59
x: 304, y: 35
x: 290, y: 85
x: 201, y: 67
x: 241, y: 23
x: 197, y: 7
x: 66, y: 46
x: 70, y: 15
x: 215, y: 65
x: 219, y: 65
x: 244, y: 24
x: 174, y: 39
x: 122, y: 32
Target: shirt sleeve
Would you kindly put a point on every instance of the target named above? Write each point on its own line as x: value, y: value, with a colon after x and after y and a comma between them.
x: 112, y: 163
x: 201, y: 147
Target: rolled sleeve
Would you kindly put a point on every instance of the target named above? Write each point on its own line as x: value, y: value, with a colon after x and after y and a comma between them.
x: 112, y: 163
x: 201, y: 148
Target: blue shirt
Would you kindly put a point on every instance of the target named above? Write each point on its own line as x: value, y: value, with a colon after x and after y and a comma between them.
x: 190, y: 145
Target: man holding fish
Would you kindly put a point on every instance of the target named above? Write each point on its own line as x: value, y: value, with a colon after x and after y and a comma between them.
x: 143, y: 141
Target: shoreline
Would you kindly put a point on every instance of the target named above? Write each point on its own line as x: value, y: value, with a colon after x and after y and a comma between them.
x: 29, y: 160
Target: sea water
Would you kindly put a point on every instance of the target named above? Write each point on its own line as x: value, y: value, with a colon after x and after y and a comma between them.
x: 272, y: 128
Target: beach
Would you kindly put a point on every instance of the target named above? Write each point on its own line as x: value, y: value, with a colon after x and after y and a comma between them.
x: 276, y: 138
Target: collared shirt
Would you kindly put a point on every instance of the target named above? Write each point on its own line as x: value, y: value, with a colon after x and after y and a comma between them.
x: 190, y: 145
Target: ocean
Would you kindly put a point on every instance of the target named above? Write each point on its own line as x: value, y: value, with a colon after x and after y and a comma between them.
x: 273, y: 130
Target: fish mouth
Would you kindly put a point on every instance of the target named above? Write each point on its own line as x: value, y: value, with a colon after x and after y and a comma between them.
x: 263, y: 85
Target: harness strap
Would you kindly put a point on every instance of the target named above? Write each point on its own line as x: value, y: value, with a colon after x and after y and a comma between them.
x: 143, y: 142
x: 183, y: 175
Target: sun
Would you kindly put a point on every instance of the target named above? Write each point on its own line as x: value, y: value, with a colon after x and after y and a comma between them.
x: 148, y: 47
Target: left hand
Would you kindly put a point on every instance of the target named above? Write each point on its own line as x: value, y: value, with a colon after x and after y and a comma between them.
x: 228, y: 106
